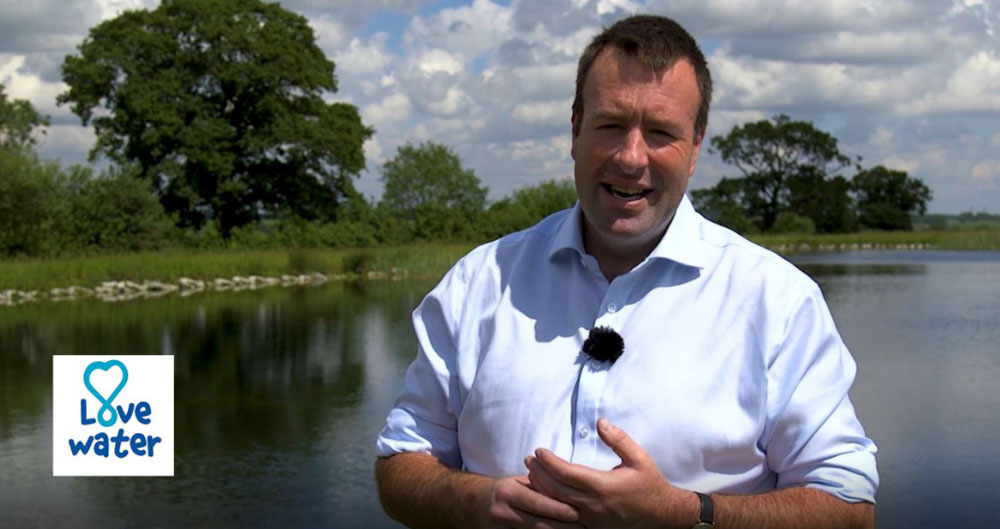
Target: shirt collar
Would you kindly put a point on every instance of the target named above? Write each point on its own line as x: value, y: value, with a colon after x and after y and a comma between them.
x: 681, y: 243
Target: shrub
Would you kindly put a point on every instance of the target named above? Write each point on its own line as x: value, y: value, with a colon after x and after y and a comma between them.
x: 788, y: 222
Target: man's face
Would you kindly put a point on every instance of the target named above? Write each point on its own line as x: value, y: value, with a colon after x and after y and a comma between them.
x: 635, y: 150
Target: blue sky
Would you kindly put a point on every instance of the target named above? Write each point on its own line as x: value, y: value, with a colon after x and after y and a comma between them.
x: 910, y: 84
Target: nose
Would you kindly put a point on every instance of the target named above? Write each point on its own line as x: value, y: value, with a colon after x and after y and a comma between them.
x: 632, y: 156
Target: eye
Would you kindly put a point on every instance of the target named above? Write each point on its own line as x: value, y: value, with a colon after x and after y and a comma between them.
x: 609, y: 126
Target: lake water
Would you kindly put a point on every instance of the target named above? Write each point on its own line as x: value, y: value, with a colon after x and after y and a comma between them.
x: 280, y: 393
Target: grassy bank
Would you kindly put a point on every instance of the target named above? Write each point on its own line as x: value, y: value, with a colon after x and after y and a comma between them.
x: 417, y: 260
x: 930, y: 239
x: 414, y: 260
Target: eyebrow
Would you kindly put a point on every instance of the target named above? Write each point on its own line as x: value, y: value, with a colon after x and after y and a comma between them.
x: 615, y: 114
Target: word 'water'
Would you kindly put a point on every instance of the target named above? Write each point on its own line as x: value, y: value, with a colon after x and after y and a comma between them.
x: 141, y: 445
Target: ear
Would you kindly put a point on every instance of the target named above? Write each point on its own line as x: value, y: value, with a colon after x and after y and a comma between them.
x: 695, y: 151
x: 573, y: 129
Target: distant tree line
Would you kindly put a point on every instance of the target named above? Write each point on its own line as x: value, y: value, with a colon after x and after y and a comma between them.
x: 790, y: 181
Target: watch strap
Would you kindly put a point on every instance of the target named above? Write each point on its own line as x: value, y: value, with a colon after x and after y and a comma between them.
x: 707, y: 516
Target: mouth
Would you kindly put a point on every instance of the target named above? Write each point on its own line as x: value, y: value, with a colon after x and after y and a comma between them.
x: 627, y: 193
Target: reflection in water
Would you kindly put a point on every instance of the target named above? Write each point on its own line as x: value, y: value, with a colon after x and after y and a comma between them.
x: 279, y: 396
x: 833, y: 269
x: 280, y: 393
x: 925, y: 338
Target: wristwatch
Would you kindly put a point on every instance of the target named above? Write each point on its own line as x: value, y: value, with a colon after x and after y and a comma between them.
x: 706, y: 519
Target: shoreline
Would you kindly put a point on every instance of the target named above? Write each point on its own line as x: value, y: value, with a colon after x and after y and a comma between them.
x: 121, y: 277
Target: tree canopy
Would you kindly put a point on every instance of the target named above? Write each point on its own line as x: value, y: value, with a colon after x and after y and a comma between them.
x: 771, y: 155
x: 789, y: 183
x: 426, y: 186
x: 886, y: 198
x: 429, y: 175
x: 19, y: 123
x: 220, y: 105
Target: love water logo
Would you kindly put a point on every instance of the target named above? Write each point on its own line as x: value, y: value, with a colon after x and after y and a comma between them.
x: 105, y: 402
x: 122, y: 420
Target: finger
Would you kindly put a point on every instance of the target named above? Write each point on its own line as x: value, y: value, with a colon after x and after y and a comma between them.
x: 526, y: 499
x: 576, y: 476
x: 631, y: 453
x: 517, y: 518
x: 542, y: 481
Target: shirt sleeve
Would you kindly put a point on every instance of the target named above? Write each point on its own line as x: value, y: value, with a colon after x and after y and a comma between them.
x: 813, y: 437
x: 425, y: 416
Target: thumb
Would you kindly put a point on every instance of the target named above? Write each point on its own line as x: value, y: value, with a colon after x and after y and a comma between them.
x: 631, y: 453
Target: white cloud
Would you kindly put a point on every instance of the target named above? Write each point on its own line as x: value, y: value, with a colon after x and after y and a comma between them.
x: 21, y: 84
x: 107, y: 9
x: 331, y: 33
x: 721, y: 120
x: 552, y: 113
x: 373, y: 152
x: 364, y: 58
x: 69, y: 139
x: 899, y: 164
x: 987, y: 173
x: 746, y: 82
x: 971, y: 87
x: 882, y: 138
x: 730, y: 18
x: 468, y: 30
x: 387, y: 112
x: 436, y: 60
x: 454, y: 101
x: 353, y: 13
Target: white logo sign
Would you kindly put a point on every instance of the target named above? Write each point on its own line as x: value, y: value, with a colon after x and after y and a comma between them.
x: 112, y: 416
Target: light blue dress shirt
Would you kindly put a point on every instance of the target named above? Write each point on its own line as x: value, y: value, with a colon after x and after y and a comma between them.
x: 734, y: 377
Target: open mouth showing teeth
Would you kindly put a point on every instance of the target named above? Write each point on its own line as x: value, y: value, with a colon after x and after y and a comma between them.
x: 625, y: 192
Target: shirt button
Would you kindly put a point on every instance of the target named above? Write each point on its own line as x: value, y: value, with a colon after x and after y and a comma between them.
x: 584, y: 432
x: 612, y: 307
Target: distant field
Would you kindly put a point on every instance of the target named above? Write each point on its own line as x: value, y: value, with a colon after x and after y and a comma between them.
x: 414, y: 260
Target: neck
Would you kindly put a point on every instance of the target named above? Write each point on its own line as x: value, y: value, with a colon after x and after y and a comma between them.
x: 615, y: 258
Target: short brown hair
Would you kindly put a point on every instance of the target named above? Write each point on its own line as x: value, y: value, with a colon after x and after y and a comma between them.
x: 657, y: 42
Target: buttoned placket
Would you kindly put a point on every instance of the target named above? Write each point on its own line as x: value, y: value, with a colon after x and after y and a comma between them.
x: 594, y: 375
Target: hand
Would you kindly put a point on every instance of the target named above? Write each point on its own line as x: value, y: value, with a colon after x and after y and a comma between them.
x: 632, y: 495
x: 511, y: 502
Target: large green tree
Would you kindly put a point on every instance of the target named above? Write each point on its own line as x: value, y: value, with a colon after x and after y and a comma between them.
x: 427, y: 186
x: 429, y: 174
x: 220, y: 104
x: 771, y: 154
x: 20, y: 123
x: 826, y: 200
x: 887, y: 197
x: 724, y: 204
x: 31, y: 198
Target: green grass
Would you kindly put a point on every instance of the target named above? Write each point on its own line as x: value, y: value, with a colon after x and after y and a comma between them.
x: 415, y: 260
x: 426, y: 260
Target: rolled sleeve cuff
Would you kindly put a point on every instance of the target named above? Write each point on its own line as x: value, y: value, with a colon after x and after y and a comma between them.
x: 405, y: 432
x: 851, y: 477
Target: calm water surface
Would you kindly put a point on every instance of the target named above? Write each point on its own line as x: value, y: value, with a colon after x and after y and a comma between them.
x: 280, y: 393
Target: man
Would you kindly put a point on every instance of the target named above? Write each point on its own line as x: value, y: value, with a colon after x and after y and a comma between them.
x: 729, y: 405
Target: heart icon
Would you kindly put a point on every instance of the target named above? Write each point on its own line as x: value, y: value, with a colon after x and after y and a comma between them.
x: 106, y: 407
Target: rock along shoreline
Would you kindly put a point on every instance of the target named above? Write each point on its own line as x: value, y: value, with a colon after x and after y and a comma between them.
x: 127, y: 290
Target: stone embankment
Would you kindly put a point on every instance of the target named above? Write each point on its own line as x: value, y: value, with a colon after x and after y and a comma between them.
x: 113, y: 291
x: 845, y: 247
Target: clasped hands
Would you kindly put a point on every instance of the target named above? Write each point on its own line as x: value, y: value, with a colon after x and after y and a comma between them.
x: 558, y: 494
